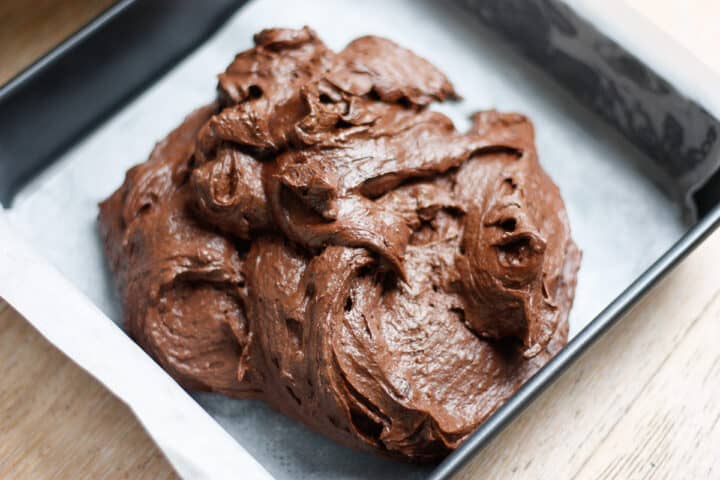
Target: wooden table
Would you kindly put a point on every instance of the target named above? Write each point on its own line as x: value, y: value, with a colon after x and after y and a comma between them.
x: 644, y: 402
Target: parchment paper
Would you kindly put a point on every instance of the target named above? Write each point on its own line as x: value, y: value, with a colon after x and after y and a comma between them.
x: 620, y: 220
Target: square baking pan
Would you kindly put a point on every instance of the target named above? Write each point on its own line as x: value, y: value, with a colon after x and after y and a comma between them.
x: 624, y: 127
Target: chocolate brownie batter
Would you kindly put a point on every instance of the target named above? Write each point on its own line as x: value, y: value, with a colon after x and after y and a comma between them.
x: 320, y: 239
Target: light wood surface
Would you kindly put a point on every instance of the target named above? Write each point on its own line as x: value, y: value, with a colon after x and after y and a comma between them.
x: 644, y: 402
x: 57, y: 422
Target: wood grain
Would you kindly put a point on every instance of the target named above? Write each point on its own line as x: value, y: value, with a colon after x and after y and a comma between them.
x: 644, y: 402
x: 58, y: 422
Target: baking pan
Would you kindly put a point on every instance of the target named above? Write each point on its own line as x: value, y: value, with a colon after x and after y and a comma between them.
x: 665, y: 146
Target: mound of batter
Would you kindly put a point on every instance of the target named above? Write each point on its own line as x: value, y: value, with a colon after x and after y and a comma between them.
x: 319, y: 239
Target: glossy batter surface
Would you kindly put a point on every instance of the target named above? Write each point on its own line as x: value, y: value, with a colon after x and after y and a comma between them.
x: 320, y: 239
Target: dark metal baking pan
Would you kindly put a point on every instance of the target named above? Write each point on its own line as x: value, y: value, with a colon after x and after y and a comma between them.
x: 60, y: 99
